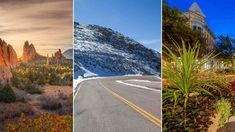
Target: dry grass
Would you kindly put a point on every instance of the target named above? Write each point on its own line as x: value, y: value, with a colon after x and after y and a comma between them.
x: 10, y: 111
x: 55, y: 90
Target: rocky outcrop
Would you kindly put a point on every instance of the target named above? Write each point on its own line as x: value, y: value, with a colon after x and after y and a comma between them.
x: 13, y: 60
x: 58, y: 55
x: 8, y: 60
x: 29, y: 52
x: 5, y: 74
x: 101, y: 51
x: 8, y: 56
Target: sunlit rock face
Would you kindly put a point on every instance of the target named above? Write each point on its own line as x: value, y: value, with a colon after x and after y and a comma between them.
x: 5, y: 74
x: 13, y: 60
x: 8, y: 59
x: 29, y: 52
x: 8, y: 56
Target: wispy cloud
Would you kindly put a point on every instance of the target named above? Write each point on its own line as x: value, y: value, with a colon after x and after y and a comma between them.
x: 39, y: 21
x: 153, y: 44
x: 150, y: 41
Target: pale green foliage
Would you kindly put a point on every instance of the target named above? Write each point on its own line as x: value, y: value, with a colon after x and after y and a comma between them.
x: 184, y: 76
x: 223, y: 108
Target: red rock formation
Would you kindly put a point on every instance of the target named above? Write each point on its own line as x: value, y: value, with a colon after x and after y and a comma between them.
x: 29, y: 52
x: 5, y: 74
x: 12, y: 56
x: 8, y: 56
x: 58, y: 55
x: 8, y: 59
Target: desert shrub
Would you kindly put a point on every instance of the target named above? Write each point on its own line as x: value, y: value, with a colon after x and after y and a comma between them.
x: 62, y: 96
x: 41, y: 74
x: 22, y: 82
x: 223, y: 108
x: 54, y: 79
x: 7, y: 95
x: 66, y: 110
x: 15, y: 79
x: 42, y: 123
x: 50, y: 103
x: 68, y: 78
x: 32, y: 88
x: 226, y: 71
x: 10, y: 111
x: 67, y: 107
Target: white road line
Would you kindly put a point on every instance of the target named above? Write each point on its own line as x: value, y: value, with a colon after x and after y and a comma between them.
x: 138, y: 86
x: 80, y: 85
x: 136, y: 80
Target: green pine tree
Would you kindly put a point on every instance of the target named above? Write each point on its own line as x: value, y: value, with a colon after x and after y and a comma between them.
x: 7, y: 95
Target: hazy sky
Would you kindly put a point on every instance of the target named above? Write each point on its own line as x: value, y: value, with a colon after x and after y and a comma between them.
x: 48, y: 24
x: 138, y: 19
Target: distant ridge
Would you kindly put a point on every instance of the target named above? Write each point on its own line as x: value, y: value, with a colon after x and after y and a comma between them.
x: 68, y: 54
x: 100, y: 51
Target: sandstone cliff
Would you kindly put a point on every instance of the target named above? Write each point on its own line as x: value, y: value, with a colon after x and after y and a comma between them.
x: 5, y: 74
x: 8, y: 59
x: 29, y: 52
x: 8, y: 56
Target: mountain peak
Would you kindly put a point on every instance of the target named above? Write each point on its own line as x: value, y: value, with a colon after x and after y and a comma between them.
x: 101, y: 51
x: 68, y: 54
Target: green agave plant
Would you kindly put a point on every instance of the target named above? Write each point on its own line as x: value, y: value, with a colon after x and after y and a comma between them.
x: 184, y: 74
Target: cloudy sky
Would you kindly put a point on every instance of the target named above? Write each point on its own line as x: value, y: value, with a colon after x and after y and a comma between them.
x: 48, y: 24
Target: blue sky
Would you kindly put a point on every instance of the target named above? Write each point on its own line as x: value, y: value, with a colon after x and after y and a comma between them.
x: 220, y: 14
x: 138, y: 19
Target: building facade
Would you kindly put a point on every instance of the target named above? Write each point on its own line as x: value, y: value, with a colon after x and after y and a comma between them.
x: 197, y: 21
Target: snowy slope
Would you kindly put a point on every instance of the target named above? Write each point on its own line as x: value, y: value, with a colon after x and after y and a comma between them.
x: 100, y: 51
x: 68, y: 54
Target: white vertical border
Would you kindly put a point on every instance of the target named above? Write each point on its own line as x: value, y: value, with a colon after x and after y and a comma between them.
x: 161, y: 64
x: 73, y: 114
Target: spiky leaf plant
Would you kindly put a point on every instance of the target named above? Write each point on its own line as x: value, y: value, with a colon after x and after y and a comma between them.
x: 186, y: 76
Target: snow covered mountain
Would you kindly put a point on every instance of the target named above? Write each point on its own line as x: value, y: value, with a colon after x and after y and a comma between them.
x: 68, y: 54
x: 100, y: 51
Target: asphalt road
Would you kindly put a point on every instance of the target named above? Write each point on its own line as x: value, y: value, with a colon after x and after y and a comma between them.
x: 104, y: 105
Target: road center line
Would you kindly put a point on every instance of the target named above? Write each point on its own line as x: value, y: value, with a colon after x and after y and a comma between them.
x: 144, y: 113
x: 138, y: 86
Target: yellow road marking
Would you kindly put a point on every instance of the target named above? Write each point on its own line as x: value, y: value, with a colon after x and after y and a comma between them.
x: 144, y: 113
